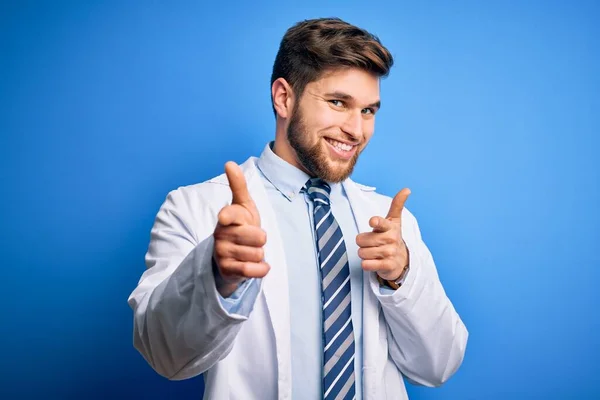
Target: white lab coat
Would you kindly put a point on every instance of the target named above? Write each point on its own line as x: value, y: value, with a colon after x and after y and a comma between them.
x: 181, y: 329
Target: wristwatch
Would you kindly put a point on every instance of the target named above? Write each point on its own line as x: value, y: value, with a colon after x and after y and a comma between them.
x: 394, y: 284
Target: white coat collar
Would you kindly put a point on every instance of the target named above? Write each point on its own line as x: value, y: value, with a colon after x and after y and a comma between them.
x: 363, y: 209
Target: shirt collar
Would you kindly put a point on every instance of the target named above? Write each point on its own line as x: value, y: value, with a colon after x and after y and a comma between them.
x: 286, y: 178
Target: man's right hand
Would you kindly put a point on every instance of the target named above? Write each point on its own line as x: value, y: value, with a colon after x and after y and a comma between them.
x: 238, y: 250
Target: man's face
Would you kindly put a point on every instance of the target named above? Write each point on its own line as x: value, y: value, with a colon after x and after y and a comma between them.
x: 333, y: 121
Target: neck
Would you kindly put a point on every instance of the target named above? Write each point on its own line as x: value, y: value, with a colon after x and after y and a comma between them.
x: 284, y: 150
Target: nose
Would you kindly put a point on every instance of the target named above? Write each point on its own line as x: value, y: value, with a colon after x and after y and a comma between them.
x: 353, y: 124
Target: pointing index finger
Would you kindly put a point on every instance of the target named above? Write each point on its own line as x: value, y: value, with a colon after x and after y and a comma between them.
x: 237, y: 183
x: 398, y: 203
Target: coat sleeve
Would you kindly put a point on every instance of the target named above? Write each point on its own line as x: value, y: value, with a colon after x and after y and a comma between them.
x: 180, y: 325
x: 426, y: 337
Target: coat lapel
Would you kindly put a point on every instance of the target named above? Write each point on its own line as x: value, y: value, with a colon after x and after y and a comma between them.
x: 363, y: 209
x: 275, y: 284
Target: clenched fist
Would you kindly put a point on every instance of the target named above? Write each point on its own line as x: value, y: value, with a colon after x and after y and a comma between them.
x: 383, y: 250
x: 238, y: 250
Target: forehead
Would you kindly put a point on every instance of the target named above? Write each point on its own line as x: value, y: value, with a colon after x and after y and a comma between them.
x: 361, y: 85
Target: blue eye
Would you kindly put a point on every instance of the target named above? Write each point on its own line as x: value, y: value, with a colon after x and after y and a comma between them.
x: 368, y: 111
x: 337, y: 103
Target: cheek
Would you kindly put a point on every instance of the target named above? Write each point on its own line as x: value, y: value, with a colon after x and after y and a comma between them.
x: 326, y: 118
x: 318, y: 119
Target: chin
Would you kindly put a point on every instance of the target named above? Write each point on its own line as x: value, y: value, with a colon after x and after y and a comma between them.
x: 335, y: 171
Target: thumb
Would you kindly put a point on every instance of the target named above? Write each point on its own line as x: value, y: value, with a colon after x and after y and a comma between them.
x: 237, y: 183
x: 398, y: 203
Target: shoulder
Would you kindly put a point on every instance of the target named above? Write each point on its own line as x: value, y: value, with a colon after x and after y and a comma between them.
x: 371, y: 194
x: 194, y: 205
x: 364, y: 188
x: 204, y: 200
x: 383, y: 202
x: 211, y: 191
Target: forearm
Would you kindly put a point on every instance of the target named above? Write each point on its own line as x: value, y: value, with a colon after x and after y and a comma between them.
x: 427, y: 339
x: 181, y: 327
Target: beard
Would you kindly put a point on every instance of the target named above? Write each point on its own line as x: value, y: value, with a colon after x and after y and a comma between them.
x: 314, y: 158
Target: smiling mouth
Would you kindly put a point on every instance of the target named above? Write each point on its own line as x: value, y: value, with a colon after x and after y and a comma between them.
x: 343, y: 150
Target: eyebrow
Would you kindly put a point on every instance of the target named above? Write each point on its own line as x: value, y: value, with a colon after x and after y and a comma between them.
x: 347, y: 97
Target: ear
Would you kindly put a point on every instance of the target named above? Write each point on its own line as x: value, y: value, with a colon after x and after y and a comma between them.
x: 283, y: 98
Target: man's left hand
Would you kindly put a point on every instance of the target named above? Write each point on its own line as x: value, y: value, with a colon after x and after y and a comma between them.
x: 383, y: 250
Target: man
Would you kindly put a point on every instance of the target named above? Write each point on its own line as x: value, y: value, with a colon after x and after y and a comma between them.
x: 283, y: 278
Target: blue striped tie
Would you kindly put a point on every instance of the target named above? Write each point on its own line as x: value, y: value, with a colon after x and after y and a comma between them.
x: 338, y: 335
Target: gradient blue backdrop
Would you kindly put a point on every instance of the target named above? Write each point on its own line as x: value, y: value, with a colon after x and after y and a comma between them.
x: 490, y: 116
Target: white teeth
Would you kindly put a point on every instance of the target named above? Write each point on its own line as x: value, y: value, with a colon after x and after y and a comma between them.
x: 340, y: 145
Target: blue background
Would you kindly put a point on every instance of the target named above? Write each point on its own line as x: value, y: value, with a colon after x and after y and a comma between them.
x: 491, y: 116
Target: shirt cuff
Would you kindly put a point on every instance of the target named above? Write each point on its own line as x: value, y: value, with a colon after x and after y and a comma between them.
x: 241, y: 301
x: 386, y: 291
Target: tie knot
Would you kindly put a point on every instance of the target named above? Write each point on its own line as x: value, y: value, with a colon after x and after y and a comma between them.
x: 318, y: 190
